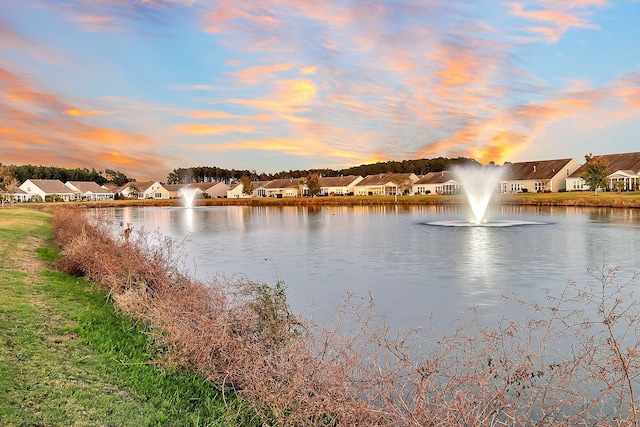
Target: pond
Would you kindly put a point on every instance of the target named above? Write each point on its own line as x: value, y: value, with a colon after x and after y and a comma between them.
x: 418, y: 274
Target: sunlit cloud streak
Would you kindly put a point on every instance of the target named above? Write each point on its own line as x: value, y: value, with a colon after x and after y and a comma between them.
x: 38, y: 127
x: 328, y: 83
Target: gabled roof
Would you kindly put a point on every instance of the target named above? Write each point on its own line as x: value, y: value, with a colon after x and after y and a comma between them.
x: 616, y: 162
x: 283, y: 183
x: 51, y: 186
x: 141, y: 186
x: 382, y: 179
x: 204, y: 186
x: 173, y: 187
x: 337, y: 181
x: 436, y: 178
x: 525, y: 171
x: 259, y: 184
x: 88, y: 187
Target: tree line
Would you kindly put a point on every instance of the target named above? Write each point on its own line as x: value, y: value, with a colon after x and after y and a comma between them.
x: 418, y: 166
x: 22, y: 173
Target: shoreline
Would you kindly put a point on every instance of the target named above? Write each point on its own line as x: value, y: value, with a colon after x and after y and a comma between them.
x: 577, y: 198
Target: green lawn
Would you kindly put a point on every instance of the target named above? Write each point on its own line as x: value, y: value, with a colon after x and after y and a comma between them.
x: 67, y: 357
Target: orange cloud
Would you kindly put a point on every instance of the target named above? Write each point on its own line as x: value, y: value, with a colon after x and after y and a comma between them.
x: 207, y: 129
x: 258, y: 73
x: 459, y: 68
x: 289, y: 95
x: 207, y: 114
x: 628, y: 88
x: 39, y: 126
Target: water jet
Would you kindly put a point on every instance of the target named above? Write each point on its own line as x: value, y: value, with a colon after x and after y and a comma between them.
x: 479, y: 183
x: 189, y: 195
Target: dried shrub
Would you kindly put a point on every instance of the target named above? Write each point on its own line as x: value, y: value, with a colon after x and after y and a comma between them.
x: 573, y: 361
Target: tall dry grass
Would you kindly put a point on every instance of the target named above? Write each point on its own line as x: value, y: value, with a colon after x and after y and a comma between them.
x: 574, y: 361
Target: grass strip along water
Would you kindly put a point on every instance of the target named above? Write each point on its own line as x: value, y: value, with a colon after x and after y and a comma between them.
x: 68, y: 357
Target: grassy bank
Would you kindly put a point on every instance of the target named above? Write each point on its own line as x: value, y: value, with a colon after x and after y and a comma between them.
x: 574, y: 361
x: 67, y: 357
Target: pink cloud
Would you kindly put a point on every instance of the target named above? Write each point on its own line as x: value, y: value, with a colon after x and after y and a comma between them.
x: 555, y: 18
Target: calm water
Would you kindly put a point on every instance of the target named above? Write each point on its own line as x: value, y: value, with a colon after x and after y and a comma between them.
x: 414, y: 271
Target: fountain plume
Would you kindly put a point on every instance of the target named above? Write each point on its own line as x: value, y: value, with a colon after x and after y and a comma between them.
x: 189, y: 195
x: 479, y: 183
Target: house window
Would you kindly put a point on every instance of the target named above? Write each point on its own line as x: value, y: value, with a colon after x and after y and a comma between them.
x: 538, y: 186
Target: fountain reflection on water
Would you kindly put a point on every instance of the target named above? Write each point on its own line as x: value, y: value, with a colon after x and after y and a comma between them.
x: 479, y: 183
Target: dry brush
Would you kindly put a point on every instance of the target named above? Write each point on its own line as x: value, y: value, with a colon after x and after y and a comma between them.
x: 574, y: 361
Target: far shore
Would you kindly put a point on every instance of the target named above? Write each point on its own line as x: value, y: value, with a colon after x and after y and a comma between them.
x: 571, y: 198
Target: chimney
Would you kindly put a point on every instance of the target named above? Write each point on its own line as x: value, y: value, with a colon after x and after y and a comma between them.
x: 534, y: 168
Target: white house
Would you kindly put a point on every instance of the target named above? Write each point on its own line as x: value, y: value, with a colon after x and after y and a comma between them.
x: 211, y: 190
x: 338, y: 185
x: 89, y: 190
x: 622, y: 168
x: 384, y: 184
x: 287, y: 187
x: 537, y: 176
x: 47, y: 190
x: 14, y: 195
x: 144, y: 190
x: 436, y: 183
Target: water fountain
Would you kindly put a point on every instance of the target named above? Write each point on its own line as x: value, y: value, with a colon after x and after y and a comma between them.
x: 479, y: 183
x: 189, y: 195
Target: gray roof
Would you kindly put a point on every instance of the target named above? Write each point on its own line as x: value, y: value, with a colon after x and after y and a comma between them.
x: 616, y: 162
x: 283, y: 183
x: 89, y: 187
x: 141, y: 186
x: 382, y: 179
x: 525, y: 171
x: 337, y: 181
x: 436, y: 178
x: 51, y: 186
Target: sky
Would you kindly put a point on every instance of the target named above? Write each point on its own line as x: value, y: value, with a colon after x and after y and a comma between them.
x: 147, y: 86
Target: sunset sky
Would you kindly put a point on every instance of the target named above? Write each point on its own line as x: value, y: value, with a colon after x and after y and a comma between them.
x: 151, y: 85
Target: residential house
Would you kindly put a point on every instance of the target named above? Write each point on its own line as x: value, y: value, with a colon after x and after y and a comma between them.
x: 47, y: 190
x: 437, y: 183
x: 387, y: 184
x: 15, y: 195
x: 338, y: 185
x: 623, y: 170
x: 211, y: 190
x: 236, y: 190
x: 89, y: 190
x: 287, y: 187
x: 173, y: 189
x: 259, y: 189
x: 144, y: 190
x: 537, y: 176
